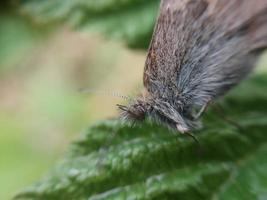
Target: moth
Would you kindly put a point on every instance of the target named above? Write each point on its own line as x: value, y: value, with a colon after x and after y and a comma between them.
x: 200, y: 49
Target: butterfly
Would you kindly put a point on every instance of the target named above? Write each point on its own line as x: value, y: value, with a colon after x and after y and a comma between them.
x: 200, y: 49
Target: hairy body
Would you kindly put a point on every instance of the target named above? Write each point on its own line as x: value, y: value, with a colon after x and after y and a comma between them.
x: 200, y: 49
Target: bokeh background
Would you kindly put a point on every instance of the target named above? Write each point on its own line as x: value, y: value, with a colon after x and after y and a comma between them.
x: 42, y: 69
x: 41, y: 108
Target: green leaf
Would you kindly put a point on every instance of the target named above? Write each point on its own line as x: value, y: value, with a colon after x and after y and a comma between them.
x: 129, y: 20
x: 116, y: 161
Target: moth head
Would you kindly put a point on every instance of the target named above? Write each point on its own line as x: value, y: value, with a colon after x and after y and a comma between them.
x: 136, y: 111
x: 159, y: 111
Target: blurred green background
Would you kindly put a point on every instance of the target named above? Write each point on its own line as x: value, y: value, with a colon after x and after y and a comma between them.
x: 41, y: 110
x: 41, y: 70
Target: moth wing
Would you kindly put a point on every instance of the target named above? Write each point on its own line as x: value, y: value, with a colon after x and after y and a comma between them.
x: 237, y: 32
x: 243, y: 15
x: 167, y: 47
x: 201, y: 48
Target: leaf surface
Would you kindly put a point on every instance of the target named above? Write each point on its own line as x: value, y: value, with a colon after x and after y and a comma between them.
x: 115, y: 161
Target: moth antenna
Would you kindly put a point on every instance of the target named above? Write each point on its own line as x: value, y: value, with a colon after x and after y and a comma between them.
x: 105, y: 93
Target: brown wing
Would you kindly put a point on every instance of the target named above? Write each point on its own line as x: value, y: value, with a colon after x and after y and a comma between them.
x: 170, y: 39
x: 249, y: 16
x: 174, y: 40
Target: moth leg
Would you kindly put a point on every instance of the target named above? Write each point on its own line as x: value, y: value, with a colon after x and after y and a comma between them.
x: 185, y: 131
x: 193, y: 137
x: 202, y: 110
x: 219, y: 110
